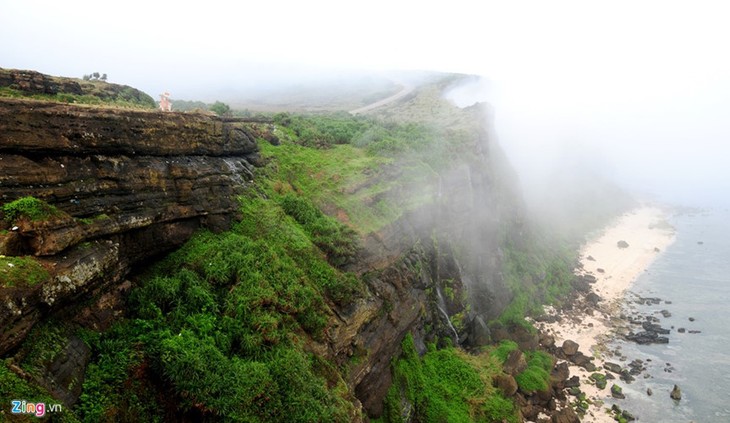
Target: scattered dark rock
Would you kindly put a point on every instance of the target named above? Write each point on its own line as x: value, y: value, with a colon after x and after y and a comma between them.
x: 700, y: 242
x: 570, y: 347
x: 599, y: 379
x: 612, y: 367
x: 566, y: 415
x: 649, y: 392
x: 666, y: 313
x: 600, y: 270
x: 627, y: 416
x: 573, y: 382
x: 691, y: 319
x: 694, y: 331
x: 593, y: 298
x: 590, y: 258
x: 667, y: 302
x: 676, y: 393
x: 617, y: 392
x: 681, y: 330
x: 547, y: 341
x: 647, y: 337
x: 574, y: 391
x: 622, y: 244
x: 589, y: 278
x: 656, y: 250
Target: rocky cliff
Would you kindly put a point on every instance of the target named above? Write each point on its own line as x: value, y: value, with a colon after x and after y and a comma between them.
x: 120, y: 187
x: 128, y: 185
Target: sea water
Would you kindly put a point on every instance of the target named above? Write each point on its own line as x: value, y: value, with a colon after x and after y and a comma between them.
x: 692, y: 278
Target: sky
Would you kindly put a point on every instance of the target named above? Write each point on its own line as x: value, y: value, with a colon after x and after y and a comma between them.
x: 638, y: 89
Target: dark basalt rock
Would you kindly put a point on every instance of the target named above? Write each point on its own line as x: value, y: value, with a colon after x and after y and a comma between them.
x: 622, y: 244
x: 612, y: 367
x: 676, y: 393
x: 569, y: 347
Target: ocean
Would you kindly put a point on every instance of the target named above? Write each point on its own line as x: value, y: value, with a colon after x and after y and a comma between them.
x: 692, y: 278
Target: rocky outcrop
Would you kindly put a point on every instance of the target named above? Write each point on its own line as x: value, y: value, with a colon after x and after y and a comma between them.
x: 30, y: 82
x: 129, y: 185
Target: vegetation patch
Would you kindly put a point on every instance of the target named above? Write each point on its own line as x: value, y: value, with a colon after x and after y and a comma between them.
x: 29, y: 208
x: 536, y: 377
x: 222, y: 323
x: 21, y: 271
x: 445, y: 385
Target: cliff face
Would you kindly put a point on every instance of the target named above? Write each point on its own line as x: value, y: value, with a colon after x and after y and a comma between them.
x: 128, y: 184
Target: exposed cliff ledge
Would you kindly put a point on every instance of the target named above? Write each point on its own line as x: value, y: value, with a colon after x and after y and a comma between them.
x: 134, y: 183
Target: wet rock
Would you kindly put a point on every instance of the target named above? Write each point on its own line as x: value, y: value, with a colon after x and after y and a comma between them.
x: 627, y: 416
x: 570, y: 347
x: 649, y: 392
x: 612, y: 367
x: 590, y: 258
x: 617, y: 392
x: 622, y: 244
x: 600, y: 270
x: 681, y: 330
x: 676, y: 393
x: 647, y: 337
x: 691, y: 319
x: 599, y: 379
x: 666, y: 313
x: 694, y: 331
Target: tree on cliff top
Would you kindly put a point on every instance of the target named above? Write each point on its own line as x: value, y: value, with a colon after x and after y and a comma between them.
x: 221, y: 109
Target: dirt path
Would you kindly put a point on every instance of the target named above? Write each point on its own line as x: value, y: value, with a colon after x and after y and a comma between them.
x: 400, y: 94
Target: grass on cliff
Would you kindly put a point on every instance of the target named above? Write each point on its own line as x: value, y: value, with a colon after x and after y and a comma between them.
x: 95, y: 94
x: 21, y: 271
x: 223, y: 322
x: 445, y: 385
x: 29, y: 208
x: 538, y: 271
x: 356, y: 168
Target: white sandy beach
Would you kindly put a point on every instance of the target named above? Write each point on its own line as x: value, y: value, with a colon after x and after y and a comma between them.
x: 647, y: 233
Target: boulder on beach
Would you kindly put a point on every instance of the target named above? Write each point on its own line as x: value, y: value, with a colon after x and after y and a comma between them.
x: 570, y: 347
x: 622, y: 244
x: 590, y: 258
x: 676, y: 393
x: 612, y: 367
x: 600, y: 270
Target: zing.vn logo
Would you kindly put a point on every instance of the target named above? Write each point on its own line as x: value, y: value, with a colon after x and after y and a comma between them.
x: 38, y: 409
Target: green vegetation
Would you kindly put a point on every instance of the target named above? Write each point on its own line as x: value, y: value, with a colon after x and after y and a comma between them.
x: 536, y: 377
x: 13, y: 387
x: 21, y: 271
x: 94, y: 92
x: 222, y: 322
x: 29, y: 208
x: 221, y: 109
x: 445, y: 385
x: 538, y: 271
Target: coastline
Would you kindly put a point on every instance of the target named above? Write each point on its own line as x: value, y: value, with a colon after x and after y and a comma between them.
x: 592, y: 325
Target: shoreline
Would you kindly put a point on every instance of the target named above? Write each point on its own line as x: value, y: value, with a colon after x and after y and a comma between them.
x: 610, y: 272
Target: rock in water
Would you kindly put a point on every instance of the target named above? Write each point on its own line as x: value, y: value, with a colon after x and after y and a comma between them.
x: 617, y: 392
x: 676, y: 393
x: 622, y: 244
x: 649, y: 391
